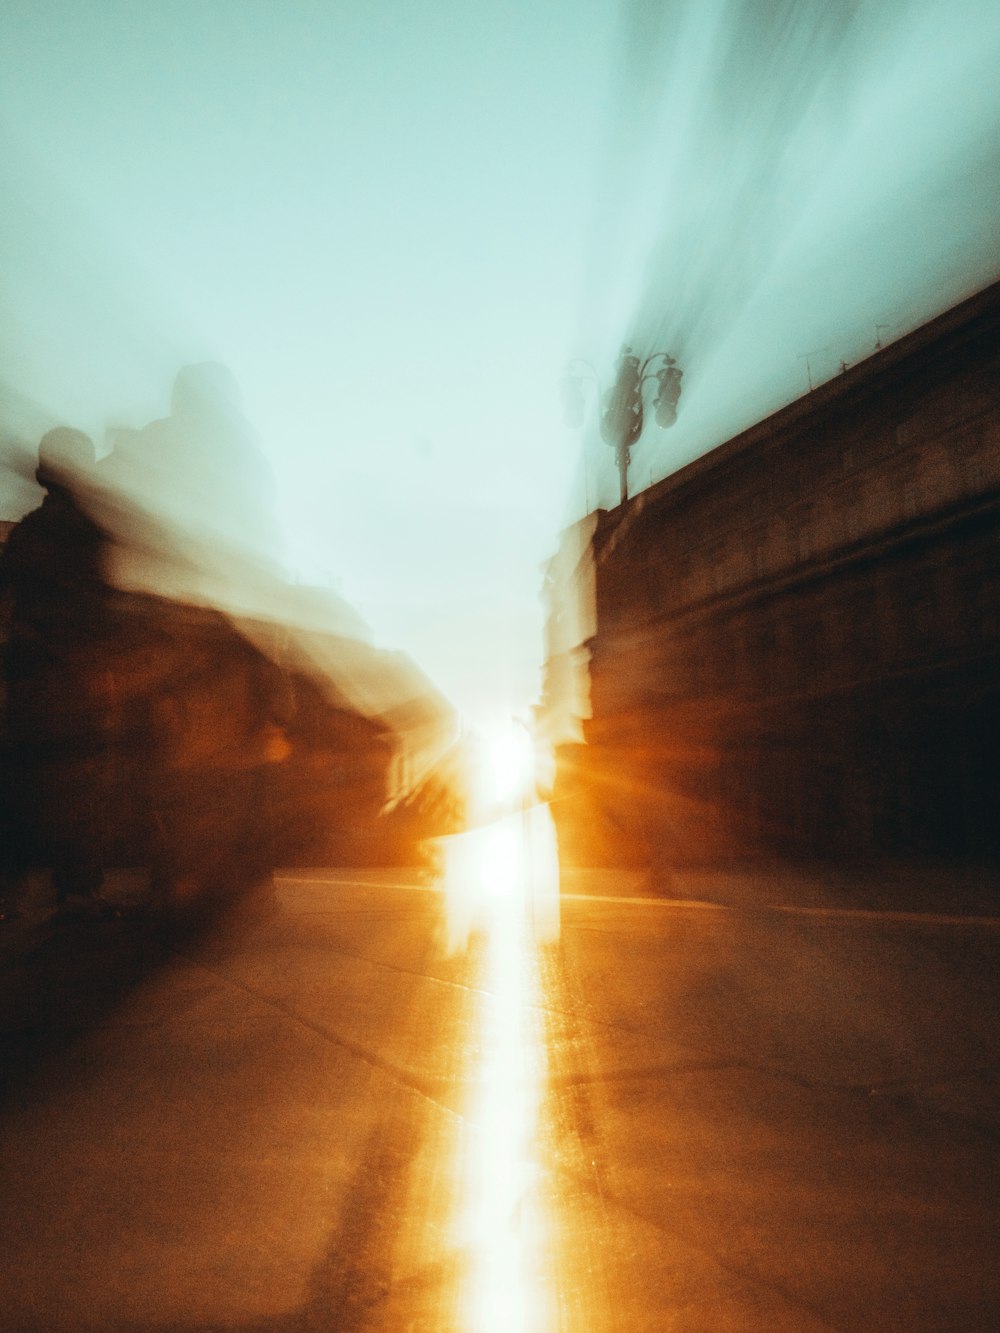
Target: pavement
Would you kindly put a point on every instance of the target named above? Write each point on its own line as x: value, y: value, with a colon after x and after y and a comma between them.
x: 733, y: 1102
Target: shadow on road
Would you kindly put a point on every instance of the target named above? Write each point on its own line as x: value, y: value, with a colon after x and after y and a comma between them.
x: 60, y: 979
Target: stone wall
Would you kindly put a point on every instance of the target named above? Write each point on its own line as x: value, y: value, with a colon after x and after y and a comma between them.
x: 798, y: 635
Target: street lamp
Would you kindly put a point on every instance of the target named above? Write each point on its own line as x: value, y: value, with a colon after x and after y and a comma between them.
x: 621, y: 406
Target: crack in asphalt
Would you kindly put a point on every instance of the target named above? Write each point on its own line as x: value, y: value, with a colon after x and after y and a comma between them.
x: 424, y: 1087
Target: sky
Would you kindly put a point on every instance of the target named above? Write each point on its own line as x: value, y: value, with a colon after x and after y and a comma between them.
x: 395, y: 223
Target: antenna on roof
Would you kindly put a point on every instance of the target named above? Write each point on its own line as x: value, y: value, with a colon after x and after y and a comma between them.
x: 807, y: 358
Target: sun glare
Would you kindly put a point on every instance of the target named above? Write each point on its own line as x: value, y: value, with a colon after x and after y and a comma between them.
x: 509, y: 761
x: 501, y: 1225
x: 500, y: 885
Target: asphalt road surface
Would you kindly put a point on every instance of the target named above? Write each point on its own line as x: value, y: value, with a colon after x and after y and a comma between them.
x: 382, y: 1104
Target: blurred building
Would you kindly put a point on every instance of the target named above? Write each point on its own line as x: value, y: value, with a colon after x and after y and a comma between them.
x: 791, y: 646
x: 369, y: 729
x: 361, y: 727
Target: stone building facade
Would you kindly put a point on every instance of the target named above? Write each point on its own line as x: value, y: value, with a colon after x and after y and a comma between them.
x: 795, y: 645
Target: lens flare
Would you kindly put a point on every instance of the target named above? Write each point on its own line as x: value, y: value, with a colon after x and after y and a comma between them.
x: 501, y: 1225
x: 513, y: 860
x: 511, y: 760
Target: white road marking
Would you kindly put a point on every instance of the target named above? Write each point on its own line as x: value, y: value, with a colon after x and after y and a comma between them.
x: 689, y: 904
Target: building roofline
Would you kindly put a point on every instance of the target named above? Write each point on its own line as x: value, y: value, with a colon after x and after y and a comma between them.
x: 968, y: 319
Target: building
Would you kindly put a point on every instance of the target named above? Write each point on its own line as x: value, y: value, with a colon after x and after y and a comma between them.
x: 793, y: 642
x: 340, y: 730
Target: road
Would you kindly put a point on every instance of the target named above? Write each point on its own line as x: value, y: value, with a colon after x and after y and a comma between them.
x: 382, y: 1104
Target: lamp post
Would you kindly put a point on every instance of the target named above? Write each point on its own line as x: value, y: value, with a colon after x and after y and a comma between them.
x: 622, y: 407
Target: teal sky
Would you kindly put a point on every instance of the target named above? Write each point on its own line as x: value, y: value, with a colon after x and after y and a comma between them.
x: 395, y: 222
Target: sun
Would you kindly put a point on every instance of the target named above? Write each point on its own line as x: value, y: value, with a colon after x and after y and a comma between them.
x: 508, y: 760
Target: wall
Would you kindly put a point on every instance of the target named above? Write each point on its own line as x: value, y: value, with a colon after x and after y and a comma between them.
x: 797, y: 636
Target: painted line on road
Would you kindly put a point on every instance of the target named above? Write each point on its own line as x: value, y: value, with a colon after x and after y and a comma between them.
x: 859, y: 913
x: 691, y: 904
x: 688, y: 904
x: 352, y: 883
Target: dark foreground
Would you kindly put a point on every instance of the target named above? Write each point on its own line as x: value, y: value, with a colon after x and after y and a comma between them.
x: 680, y: 1116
